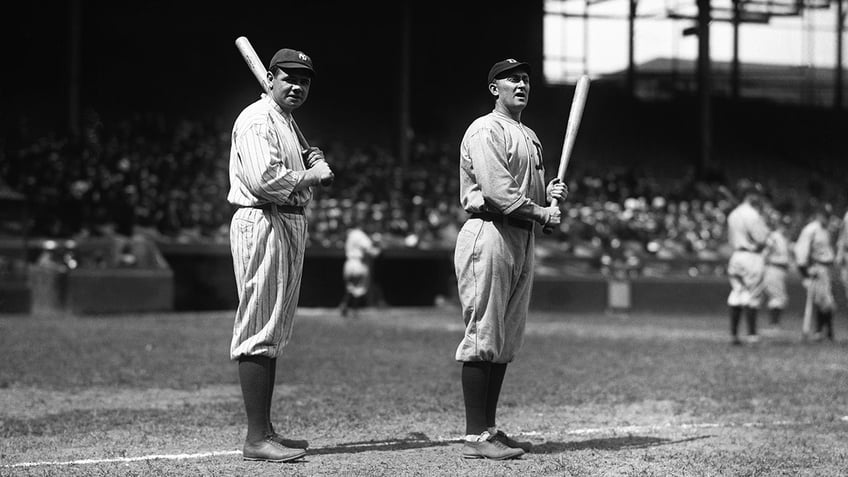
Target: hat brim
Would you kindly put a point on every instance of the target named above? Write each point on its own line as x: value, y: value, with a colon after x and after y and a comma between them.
x: 295, y: 66
x: 500, y: 73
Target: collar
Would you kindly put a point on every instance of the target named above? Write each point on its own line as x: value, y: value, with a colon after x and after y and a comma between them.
x: 276, y: 107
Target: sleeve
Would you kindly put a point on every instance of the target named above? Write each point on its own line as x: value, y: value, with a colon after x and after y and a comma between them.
x: 759, y: 231
x: 842, y: 241
x: 487, y: 151
x: 802, y: 247
x: 264, y: 171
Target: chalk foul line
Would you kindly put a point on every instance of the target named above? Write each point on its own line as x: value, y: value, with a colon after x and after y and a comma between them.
x: 584, y: 431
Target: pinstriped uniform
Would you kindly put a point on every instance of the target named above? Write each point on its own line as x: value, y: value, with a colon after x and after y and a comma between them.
x: 267, y: 243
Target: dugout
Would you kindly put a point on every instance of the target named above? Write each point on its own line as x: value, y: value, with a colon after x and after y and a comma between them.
x: 14, y: 284
x: 101, y: 275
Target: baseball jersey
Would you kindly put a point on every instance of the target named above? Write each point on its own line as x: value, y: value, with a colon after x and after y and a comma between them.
x: 842, y: 242
x: 813, y: 245
x: 358, y: 245
x: 267, y: 244
x: 746, y: 229
x: 501, y: 168
x: 777, y: 249
x: 265, y: 158
x: 501, y: 171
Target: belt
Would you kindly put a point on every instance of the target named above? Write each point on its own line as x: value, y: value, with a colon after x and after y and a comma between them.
x: 285, y: 209
x: 779, y: 265
x: 503, y: 219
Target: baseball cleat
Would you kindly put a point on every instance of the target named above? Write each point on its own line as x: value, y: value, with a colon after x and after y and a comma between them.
x: 293, y: 443
x: 510, y: 442
x: 270, y: 451
x: 489, y: 449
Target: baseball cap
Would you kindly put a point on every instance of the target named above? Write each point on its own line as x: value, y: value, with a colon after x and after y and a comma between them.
x: 287, y: 58
x: 506, y: 65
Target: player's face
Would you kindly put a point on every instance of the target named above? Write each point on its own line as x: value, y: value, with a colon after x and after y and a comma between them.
x: 513, y: 91
x: 290, y: 89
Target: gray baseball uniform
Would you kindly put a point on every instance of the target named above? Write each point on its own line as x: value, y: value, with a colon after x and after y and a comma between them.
x: 501, y: 173
x: 747, y: 234
x: 813, y: 250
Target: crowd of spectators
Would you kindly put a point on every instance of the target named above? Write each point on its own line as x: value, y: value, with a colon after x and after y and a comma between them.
x: 169, y: 179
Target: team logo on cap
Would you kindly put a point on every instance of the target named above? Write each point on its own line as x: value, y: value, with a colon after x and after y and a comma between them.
x: 510, y: 60
x: 303, y: 57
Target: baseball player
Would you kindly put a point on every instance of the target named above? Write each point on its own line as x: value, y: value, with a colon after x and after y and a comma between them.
x: 777, y: 260
x: 747, y: 233
x: 815, y: 255
x: 842, y: 253
x: 270, y: 183
x: 502, y: 188
x: 356, y: 272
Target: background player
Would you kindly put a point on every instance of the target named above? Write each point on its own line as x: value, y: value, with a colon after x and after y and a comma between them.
x: 360, y: 250
x: 270, y: 182
x: 746, y: 232
x: 815, y: 255
x: 777, y: 260
x: 842, y: 253
x: 502, y: 187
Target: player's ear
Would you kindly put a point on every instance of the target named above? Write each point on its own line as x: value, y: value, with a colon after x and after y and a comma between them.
x: 270, y: 77
x: 493, y: 88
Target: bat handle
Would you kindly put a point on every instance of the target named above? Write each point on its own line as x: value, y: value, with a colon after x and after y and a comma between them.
x: 549, y: 229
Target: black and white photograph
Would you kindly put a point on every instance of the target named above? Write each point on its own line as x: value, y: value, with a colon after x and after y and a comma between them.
x: 424, y: 238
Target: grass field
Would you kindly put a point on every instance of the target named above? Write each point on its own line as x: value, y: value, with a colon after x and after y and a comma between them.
x: 598, y: 395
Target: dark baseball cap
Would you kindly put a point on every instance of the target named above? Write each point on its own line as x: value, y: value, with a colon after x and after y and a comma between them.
x: 506, y: 65
x: 287, y: 58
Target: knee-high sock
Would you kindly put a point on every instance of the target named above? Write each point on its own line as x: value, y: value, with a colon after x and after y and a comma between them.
x: 751, y: 317
x: 253, y: 376
x: 475, y: 390
x: 272, y: 379
x: 775, y: 314
x: 735, y: 316
x: 496, y: 377
x: 825, y: 321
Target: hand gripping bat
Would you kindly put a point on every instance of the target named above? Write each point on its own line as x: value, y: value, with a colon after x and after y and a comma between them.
x: 574, y: 117
x: 259, y: 72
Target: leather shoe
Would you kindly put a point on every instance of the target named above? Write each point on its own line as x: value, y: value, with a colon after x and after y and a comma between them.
x: 489, y: 449
x: 510, y: 442
x: 293, y: 443
x: 271, y: 451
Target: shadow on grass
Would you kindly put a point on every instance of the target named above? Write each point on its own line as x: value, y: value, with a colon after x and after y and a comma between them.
x: 415, y: 440
x: 611, y: 443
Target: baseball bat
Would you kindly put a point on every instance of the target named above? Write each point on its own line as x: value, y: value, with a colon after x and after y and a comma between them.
x: 574, y: 117
x: 260, y: 73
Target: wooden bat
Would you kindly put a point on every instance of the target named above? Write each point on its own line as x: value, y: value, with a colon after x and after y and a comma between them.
x: 260, y: 73
x: 574, y: 117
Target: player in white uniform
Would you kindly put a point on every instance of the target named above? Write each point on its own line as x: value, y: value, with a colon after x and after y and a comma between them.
x: 842, y: 253
x: 270, y: 182
x: 502, y: 188
x: 356, y: 272
x: 777, y: 261
x: 815, y: 255
x: 746, y: 232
